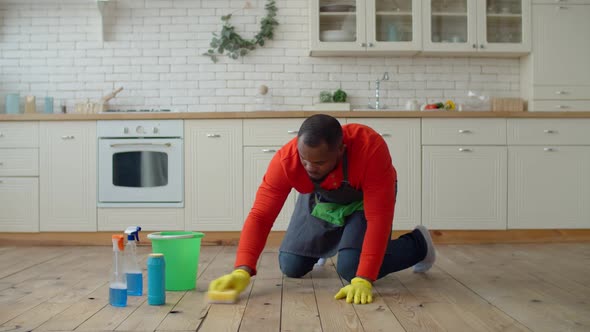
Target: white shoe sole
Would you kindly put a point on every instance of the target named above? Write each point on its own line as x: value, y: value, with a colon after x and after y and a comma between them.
x: 428, y: 261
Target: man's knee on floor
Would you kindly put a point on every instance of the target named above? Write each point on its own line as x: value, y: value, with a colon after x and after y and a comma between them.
x: 292, y: 267
x: 292, y: 271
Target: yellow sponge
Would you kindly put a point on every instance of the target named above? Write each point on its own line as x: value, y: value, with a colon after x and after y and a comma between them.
x: 224, y: 297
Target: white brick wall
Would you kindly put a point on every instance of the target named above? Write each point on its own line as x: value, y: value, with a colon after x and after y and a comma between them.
x: 153, y: 49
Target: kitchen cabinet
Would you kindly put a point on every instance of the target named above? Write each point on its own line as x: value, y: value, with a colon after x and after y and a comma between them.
x: 67, y: 176
x: 556, y: 76
x: 403, y: 140
x: 464, y: 173
x: 464, y: 187
x: 262, y: 139
x: 549, y: 181
x: 477, y: 26
x: 365, y: 27
x: 19, y: 176
x: 548, y: 187
x: 256, y: 160
x: 213, y: 175
x: 19, y: 203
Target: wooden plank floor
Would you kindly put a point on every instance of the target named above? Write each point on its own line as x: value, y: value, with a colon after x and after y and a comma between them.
x: 502, y: 287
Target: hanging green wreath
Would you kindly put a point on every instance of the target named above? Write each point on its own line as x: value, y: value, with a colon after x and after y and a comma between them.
x: 231, y: 42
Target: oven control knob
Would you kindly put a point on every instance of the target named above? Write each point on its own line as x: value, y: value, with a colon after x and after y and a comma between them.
x: 125, y: 130
x: 156, y: 130
x: 139, y: 130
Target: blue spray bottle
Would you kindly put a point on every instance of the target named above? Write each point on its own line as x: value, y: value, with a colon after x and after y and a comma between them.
x: 118, y: 282
x: 132, y: 269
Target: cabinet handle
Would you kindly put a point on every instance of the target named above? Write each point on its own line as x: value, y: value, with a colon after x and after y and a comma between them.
x: 363, y: 44
x: 385, y: 135
x: 269, y: 150
x: 562, y: 106
x: 560, y: 92
x: 464, y: 150
x: 67, y: 137
x: 213, y: 135
x: 1, y: 134
x: 464, y: 131
x: 292, y: 131
x: 549, y: 131
x: 118, y: 145
x: 548, y: 149
x: 561, y: 7
x: 481, y: 46
x: 474, y: 45
x: 371, y: 44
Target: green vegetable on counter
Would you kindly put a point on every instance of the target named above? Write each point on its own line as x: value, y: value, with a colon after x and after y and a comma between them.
x: 339, y: 96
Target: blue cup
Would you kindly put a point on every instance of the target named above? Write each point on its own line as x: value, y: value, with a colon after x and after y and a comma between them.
x: 13, y: 103
x: 48, y: 105
x: 392, y: 33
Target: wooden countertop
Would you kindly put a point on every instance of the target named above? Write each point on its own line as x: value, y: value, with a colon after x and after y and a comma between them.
x: 287, y: 114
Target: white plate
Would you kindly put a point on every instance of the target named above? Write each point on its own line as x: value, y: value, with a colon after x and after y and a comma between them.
x: 336, y: 36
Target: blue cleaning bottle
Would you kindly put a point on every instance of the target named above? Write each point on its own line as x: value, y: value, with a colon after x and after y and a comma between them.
x: 132, y: 269
x: 118, y: 282
x: 156, y: 270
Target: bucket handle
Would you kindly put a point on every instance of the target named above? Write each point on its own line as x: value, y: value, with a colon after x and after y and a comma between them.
x: 159, y: 236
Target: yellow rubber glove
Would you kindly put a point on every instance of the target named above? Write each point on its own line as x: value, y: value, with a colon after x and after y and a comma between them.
x: 238, y: 280
x: 359, y: 291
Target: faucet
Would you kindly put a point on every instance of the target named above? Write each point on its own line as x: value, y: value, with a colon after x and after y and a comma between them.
x: 378, y: 105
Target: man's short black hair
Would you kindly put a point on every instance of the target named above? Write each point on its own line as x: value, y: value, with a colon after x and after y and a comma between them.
x: 321, y: 128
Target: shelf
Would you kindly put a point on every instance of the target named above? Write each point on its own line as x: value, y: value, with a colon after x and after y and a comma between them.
x: 449, y: 14
x: 394, y: 13
x: 338, y: 14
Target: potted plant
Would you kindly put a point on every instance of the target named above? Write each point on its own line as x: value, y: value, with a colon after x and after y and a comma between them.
x: 335, y: 101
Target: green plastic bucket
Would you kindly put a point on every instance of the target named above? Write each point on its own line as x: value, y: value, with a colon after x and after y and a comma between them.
x: 181, y: 253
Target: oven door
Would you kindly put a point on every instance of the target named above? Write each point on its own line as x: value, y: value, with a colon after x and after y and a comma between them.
x: 140, y: 172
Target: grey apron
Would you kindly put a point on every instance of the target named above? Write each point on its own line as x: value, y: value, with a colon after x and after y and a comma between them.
x: 313, y: 237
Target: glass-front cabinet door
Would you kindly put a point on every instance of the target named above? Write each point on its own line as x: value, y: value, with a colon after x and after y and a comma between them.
x: 450, y: 25
x: 504, y: 25
x: 499, y: 26
x: 394, y: 25
x: 337, y: 25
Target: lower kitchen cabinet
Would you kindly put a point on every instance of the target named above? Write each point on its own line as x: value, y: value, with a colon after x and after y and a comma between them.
x: 549, y: 187
x: 67, y: 154
x: 19, y: 204
x: 403, y: 140
x: 19, y: 176
x: 213, y: 175
x: 464, y: 187
x: 256, y: 160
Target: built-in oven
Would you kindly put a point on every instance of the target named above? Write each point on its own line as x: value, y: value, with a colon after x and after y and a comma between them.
x: 140, y: 163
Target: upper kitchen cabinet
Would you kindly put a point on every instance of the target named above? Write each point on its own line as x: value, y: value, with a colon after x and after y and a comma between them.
x: 498, y: 27
x: 67, y: 174
x: 556, y: 76
x: 348, y: 27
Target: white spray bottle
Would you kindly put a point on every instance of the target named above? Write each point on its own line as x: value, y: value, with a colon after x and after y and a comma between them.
x: 132, y: 268
x: 118, y: 284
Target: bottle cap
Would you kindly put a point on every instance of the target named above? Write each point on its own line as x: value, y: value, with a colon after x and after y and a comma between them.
x: 133, y: 233
x: 117, y: 242
x: 156, y: 255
